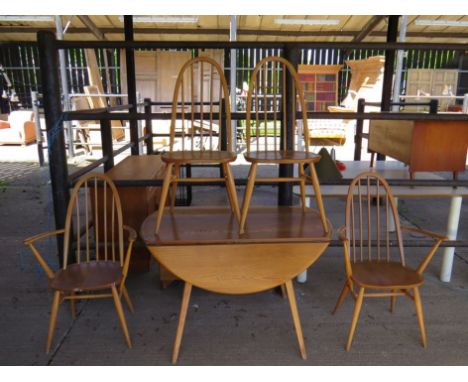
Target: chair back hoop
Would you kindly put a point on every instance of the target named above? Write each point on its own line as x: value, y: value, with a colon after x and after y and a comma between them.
x: 94, y: 223
x: 372, y: 222
x: 269, y: 79
x: 200, y: 88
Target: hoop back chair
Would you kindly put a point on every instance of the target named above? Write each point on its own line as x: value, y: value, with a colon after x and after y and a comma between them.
x: 94, y: 237
x: 200, y: 97
x: 374, y: 252
x: 266, y: 139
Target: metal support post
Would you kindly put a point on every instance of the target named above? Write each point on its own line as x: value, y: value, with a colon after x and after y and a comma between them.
x: 149, y: 127
x: 465, y: 104
x: 131, y: 83
x: 452, y: 230
x: 433, y: 106
x: 141, y: 144
x: 106, y: 141
x: 64, y: 82
x: 399, y: 65
x: 232, y: 80
x: 55, y: 139
x: 392, y: 32
x: 359, y: 127
x: 37, y: 124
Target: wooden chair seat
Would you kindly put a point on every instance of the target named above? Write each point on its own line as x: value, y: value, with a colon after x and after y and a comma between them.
x: 182, y: 157
x: 282, y: 157
x: 91, y: 276
x: 385, y: 275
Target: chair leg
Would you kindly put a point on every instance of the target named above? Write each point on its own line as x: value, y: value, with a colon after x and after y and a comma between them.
x: 164, y: 192
x: 341, y: 298
x: 372, y: 157
x: 120, y: 313
x: 181, y: 324
x: 284, y: 293
x: 357, y: 310
x: 174, y: 186
x: 302, y: 185
x: 127, y: 299
x: 392, y: 302
x: 247, y: 196
x: 419, y: 313
x: 295, y: 316
x: 73, y: 306
x: 231, y: 190
x: 318, y: 195
x: 53, y: 319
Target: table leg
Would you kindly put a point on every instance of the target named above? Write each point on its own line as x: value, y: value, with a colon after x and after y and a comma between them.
x: 452, y: 230
x: 391, y: 221
x: 295, y: 316
x: 182, y: 316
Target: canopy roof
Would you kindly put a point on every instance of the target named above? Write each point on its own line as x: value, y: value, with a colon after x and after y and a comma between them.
x: 249, y: 28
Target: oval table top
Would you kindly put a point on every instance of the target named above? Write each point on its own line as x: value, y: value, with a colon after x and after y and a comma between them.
x: 203, y: 246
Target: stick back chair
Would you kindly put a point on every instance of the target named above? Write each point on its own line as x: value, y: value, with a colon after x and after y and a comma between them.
x: 266, y: 138
x: 374, y: 252
x: 200, y: 97
x: 95, y: 261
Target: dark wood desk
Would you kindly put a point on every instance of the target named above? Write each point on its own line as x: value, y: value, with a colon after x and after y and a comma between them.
x: 202, y: 246
x: 138, y: 202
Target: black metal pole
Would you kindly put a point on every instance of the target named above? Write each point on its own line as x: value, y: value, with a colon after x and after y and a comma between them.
x: 433, y: 106
x: 359, y: 127
x: 107, y: 148
x: 227, y: 64
x: 285, y: 190
x: 48, y: 56
x: 149, y: 127
x: 131, y: 82
x: 37, y: 125
x: 223, y: 135
x: 392, y: 33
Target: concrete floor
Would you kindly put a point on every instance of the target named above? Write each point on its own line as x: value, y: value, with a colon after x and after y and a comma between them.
x: 220, y: 330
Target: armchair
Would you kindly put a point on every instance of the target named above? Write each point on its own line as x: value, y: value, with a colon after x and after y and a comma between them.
x: 19, y: 129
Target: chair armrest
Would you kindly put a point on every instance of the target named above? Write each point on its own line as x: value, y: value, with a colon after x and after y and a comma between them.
x: 342, y: 236
x: 132, y: 235
x: 424, y: 232
x: 342, y: 233
x: 29, y: 131
x: 30, y: 242
x: 439, y: 239
x: 43, y: 235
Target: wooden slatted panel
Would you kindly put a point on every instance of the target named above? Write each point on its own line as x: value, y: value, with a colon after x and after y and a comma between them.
x: 369, y: 228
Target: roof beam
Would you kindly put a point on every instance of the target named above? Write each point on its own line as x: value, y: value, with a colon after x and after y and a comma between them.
x: 279, y: 33
x: 368, y: 28
x: 86, y: 20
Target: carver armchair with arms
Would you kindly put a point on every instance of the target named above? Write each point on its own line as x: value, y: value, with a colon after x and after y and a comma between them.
x: 197, y: 129
x: 266, y: 137
x: 95, y: 261
x: 374, y: 252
